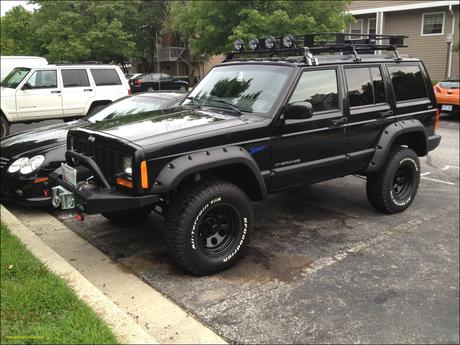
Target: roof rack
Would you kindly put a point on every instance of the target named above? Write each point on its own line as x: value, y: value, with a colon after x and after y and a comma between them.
x: 302, y: 48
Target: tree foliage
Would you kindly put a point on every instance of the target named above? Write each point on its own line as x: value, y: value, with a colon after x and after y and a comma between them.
x: 74, y: 31
x: 211, y: 26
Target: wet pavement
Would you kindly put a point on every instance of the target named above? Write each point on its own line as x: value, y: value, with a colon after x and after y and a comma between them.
x: 322, y: 266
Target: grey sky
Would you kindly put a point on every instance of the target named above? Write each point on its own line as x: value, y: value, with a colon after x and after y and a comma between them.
x: 6, y: 5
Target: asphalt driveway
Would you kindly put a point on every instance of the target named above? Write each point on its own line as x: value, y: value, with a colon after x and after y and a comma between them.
x: 322, y: 266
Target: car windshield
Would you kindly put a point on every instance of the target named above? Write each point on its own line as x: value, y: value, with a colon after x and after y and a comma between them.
x: 14, y: 78
x: 450, y: 84
x: 250, y: 88
x: 129, y: 106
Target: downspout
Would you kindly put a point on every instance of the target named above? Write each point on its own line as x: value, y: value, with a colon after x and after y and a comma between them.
x: 451, y: 44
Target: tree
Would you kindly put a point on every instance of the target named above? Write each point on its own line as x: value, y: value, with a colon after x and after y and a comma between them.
x: 14, y: 24
x: 211, y: 26
x: 83, y: 30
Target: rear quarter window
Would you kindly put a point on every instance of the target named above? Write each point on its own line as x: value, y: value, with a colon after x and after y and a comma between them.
x: 408, y: 82
x: 104, y: 77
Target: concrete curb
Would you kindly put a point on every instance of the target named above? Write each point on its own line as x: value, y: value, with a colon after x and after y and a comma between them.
x: 125, y: 329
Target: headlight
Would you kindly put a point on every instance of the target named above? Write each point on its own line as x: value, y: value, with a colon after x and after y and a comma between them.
x: 25, y: 165
x: 127, y: 165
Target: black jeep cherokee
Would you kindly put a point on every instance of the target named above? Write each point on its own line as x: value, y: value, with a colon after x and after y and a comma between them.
x: 269, y: 120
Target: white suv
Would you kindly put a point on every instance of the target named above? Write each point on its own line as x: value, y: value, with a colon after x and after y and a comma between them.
x: 58, y: 91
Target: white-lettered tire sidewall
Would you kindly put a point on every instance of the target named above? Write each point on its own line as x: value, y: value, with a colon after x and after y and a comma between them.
x: 201, y: 259
x: 415, y: 167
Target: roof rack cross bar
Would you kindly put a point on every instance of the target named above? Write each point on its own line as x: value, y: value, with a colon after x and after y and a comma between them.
x: 316, y: 43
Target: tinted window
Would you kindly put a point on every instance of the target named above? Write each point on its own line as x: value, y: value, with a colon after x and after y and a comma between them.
x: 365, y: 86
x: 43, y: 80
x: 75, y: 77
x: 377, y: 82
x: 319, y: 88
x: 408, y: 82
x: 105, y: 77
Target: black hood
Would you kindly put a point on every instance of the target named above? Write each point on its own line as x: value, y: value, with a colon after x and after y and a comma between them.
x: 164, y: 125
x: 37, y: 140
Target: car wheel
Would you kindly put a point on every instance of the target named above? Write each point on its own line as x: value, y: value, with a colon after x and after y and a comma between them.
x: 182, y: 88
x: 4, y: 127
x: 208, y: 227
x: 135, y: 216
x: 393, y: 188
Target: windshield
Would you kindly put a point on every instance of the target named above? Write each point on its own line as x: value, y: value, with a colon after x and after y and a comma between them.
x: 450, y: 84
x: 15, y: 77
x: 250, y: 88
x: 129, y: 106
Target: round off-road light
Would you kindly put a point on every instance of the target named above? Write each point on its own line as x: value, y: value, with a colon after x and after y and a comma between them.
x: 254, y: 44
x: 270, y: 42
x: 288, y: 41
x: 238, y: 44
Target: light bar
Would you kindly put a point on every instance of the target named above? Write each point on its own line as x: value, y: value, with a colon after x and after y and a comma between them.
x: 288, y: 41
x: 270, y: 42
x: 254, y: 44
x: 238, y: 44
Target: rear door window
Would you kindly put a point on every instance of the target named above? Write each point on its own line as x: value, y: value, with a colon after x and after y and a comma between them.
x: 408, y: 82
x: 319, y: 88
x: 365, y: 86
x: 104, y: 77
x: 75, y: 77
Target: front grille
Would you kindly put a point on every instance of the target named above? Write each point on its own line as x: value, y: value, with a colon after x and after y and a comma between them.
x: 3, y: 162
x: 107, y: 160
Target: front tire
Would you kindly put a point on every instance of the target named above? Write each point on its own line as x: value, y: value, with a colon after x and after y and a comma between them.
x: 4, y: 127
x: 392, y: 189
x: 135, y: 216
x: 208, y: 227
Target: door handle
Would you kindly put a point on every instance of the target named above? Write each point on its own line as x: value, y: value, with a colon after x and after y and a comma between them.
x: 383, y: 114
x: 338, y: 122
x: 55, y: 91
x: 86, y: 90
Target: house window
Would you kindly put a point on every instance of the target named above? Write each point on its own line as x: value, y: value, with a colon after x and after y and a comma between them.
x: 371, y: 24
x: 357, y: 26
x: 433, y: 23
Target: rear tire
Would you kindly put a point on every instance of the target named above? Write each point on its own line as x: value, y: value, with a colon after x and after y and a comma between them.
x: 137, y: 215
x: 208, y: 227
x: 4, y: 127
x: 392, y: 189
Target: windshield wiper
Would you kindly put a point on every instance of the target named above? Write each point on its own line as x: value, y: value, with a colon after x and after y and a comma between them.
x: 194, y: 100
x: 228, y: 104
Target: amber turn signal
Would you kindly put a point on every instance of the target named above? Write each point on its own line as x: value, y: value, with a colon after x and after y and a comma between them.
x: 124, y: 182
x: 40, y: 179
x: 144, y: 175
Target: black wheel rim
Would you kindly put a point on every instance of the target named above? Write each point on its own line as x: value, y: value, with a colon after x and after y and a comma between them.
x: 218, y: 229
x: 402, y: 183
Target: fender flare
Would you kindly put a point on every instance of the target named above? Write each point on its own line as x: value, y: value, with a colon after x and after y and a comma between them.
x: 179, y: 168
x: 387, y: 138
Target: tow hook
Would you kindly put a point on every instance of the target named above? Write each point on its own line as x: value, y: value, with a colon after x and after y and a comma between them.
x: 80, y: 217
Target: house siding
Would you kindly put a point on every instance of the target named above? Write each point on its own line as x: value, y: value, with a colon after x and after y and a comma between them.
x: 431, y: 49
x: 362, y: 5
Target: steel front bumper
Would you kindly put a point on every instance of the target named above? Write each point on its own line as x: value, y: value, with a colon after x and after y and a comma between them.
x: 93, y: 201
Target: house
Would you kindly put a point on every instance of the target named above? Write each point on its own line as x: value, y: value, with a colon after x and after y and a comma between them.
x: 432, y: 27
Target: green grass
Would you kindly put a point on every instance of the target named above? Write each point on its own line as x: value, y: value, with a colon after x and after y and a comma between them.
x: 37, y: 307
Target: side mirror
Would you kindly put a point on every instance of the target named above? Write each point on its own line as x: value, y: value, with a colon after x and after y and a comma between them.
x: 298, y: 111
x: 26, y: 86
